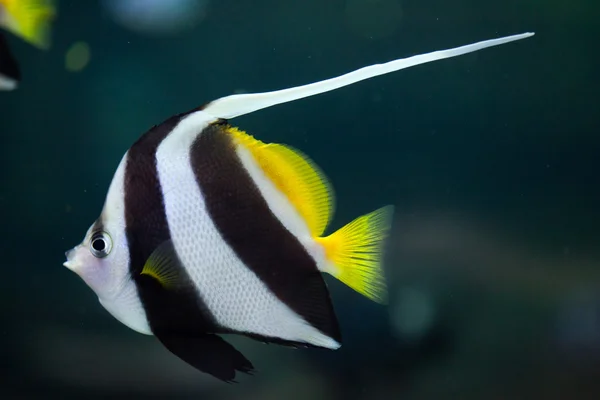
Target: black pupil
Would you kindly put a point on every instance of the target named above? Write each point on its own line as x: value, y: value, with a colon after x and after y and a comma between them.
x: 99, y: 244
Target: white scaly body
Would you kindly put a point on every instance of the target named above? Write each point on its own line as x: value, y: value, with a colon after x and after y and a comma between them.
x: 237, y: 298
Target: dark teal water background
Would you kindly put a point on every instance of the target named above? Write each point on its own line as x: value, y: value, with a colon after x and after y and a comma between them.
x: 492, y: 160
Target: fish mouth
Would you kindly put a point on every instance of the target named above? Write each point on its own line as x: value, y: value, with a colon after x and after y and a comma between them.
x: 69, y: 263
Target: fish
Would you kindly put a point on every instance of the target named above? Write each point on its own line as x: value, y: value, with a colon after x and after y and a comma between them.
x: 207, y: 231
x: 29, y: 20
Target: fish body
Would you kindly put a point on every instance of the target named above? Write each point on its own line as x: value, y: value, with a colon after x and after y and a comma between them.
x: 206, y: 230
x: 30, y: 20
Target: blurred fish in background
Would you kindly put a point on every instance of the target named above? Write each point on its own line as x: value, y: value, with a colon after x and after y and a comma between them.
x: 10, y: 74
x: 31, y: 21
x: 157, y: 17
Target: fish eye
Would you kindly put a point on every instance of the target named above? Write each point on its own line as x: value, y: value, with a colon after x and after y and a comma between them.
x: 101, y: 244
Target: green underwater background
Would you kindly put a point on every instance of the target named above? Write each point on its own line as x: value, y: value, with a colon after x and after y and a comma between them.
x: 491, y: 160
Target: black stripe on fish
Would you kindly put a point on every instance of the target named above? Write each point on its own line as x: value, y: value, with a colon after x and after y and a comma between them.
x: 259, y: 239
x: 177, y: 317
x: 8, y: 64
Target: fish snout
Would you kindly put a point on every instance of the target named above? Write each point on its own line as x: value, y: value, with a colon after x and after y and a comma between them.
x: 70, y: 255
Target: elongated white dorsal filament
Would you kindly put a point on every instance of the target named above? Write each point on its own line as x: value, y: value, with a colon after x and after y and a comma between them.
x: 240, y: 104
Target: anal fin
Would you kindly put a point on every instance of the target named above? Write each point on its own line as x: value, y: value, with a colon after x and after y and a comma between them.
x: 281, y: 342
x: 208, y: 353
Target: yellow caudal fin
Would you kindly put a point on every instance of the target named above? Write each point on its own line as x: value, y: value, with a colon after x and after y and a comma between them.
x: 30, y: 19
x: 355, y: 253
x: 296, y: 176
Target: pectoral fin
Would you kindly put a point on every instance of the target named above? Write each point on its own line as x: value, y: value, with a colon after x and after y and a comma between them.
x: 208, y: 353
x: 163, y: 265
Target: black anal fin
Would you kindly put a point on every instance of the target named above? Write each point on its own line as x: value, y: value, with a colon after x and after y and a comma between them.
x: 208, y: 353
x: 278, y: 341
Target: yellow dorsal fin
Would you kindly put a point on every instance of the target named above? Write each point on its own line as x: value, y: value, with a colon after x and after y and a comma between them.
x: 296, y: 176
x: 30, y: 19
x: 163, y: 266
x: 355, y: 253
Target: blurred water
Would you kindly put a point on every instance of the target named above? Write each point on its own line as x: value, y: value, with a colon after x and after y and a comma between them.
x: 491, y: 160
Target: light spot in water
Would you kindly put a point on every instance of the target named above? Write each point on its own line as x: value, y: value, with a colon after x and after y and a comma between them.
x: 157, y: 16
x: 77, y: 57
x: 413, y: 313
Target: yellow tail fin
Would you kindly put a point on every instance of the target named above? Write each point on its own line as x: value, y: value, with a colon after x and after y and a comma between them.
x: 31, y: 19
x: 356, y: 253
